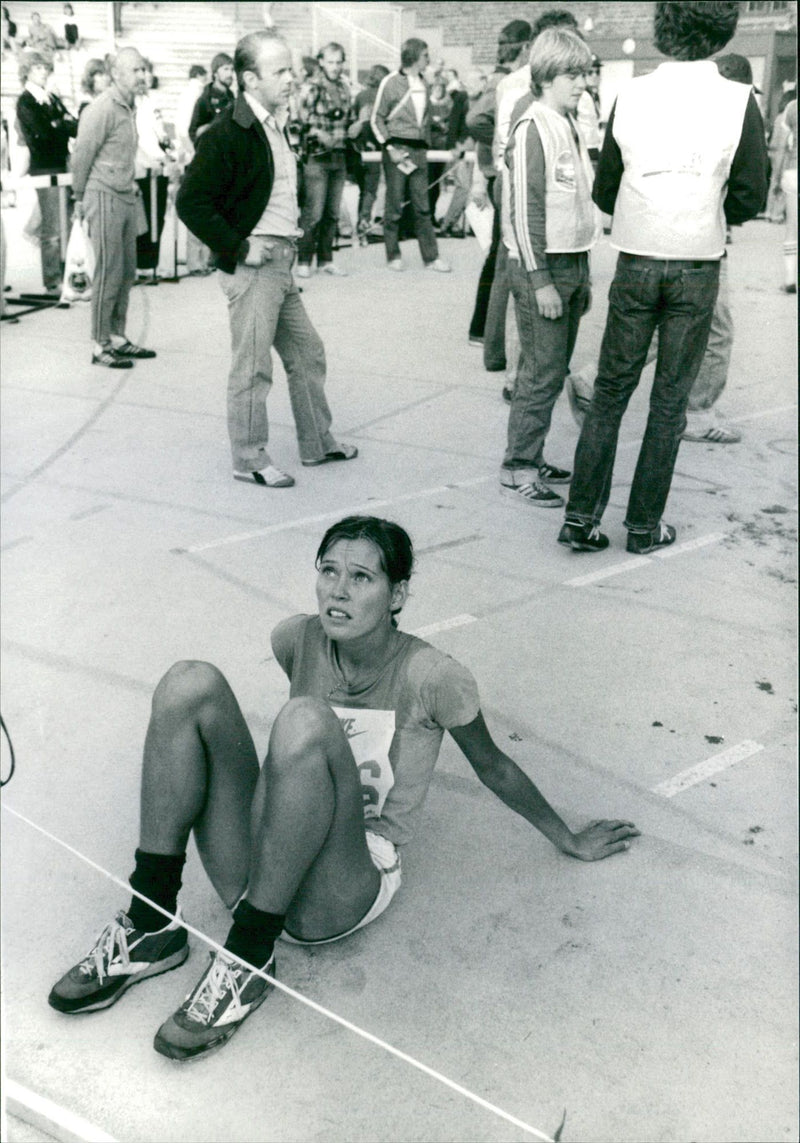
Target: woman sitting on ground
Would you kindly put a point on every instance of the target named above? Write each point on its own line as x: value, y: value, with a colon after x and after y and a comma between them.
x: 307, y: 848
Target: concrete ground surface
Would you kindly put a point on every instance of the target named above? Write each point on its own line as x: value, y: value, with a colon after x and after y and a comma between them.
x: 649, y: 997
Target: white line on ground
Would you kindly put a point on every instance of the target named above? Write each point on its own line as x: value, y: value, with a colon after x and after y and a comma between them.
x: 604, y: 573
x: 689, y: 545
x: 640, y: 561
x: 703, y: 770
x: 338, y: 514
x: 307, y: 1001
x: 444, y: 625
x: 62, y: 1124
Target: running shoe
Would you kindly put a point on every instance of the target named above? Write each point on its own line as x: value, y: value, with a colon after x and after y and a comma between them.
x: 640, y: 543
x: 224, y: 997
x: 583, y: 538
x: 536, y: 494
x: 122, y: 956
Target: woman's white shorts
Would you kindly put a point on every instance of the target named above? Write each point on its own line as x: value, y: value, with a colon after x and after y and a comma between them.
x: 386, y: 860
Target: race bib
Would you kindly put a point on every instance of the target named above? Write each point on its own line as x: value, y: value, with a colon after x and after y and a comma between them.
x: 369, y: 734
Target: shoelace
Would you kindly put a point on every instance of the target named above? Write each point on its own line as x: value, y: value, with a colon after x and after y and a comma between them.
x: 221, y: 978
x: 593, y: 533
x: 114, y: 935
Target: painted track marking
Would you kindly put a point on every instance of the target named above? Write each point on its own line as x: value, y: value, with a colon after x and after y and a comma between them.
x: 50, y: 1117
x: 445, y: 625
x: 713, y: 765
x: 362, y: 1032
x: 337, y: 514
x: 640, y: 561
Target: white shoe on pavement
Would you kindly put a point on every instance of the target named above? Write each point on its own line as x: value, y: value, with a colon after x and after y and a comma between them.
x: 334, y: 270
x: 396, y: 264
x: 303, y: 271
x: 440, y: 266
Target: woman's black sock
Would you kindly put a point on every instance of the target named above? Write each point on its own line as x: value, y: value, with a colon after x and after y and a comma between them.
x: 253, y: 933
x: 157, y: 876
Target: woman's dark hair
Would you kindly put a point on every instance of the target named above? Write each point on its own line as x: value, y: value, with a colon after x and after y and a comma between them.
x: 392, y: 541
x: 93, y: 68
x: 694, y: 29
x: 411, y: 50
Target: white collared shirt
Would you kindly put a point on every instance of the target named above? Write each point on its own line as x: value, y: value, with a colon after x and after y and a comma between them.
x: 38, y: 93
x: 281, y: 213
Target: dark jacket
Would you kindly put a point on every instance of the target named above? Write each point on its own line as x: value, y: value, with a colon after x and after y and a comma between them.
x: 47, y: 129
x: 212, y: 102
x: 227, y: 184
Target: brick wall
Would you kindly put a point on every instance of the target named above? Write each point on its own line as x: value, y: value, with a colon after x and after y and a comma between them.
x: 477, y: 24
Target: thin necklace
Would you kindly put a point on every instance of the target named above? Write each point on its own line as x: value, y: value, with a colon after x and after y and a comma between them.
x: 360, y: 686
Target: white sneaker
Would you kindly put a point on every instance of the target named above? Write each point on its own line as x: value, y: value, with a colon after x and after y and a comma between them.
x: 440, y: 266
x: 334, y: 270
x: 303, y: 271
x: 396, y: 264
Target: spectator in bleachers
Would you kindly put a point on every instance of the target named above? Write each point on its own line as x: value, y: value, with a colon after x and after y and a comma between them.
x: 239, y: 196
x: 215, y: 98
x: 401, y: 123
x: 363, y: 137
x: 326, y: 114
x: 10, y: 43
x: 41, y: 37
x: 512, y: 44
x: 72, y: 37
x: 46, y: 128
x: 95, y: 81
x: 105, y: 190
x: 154, y: 161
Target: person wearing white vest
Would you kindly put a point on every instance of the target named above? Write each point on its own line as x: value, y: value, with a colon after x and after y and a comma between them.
x: 554, y: 224
x: 680, y: 158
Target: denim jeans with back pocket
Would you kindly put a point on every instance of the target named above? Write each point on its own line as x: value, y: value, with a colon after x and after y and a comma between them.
x: 678, y: 297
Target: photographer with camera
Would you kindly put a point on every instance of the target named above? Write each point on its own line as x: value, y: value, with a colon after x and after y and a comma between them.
x: 326, y: 113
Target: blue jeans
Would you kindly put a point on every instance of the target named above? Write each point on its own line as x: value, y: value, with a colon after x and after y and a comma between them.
x: 494, y: 337
x: 677, y: 297
x: 546, y: 348
x: 417, y: 186
x: 266, y: 312
x: 323, y: 182
x: 713, y: 375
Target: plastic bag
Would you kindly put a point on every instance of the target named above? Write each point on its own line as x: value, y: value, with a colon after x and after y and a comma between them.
x: 480, y: 222
x: 78, y: 265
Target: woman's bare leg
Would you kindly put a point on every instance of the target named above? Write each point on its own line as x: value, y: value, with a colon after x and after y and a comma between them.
x: 309, y: 856
x: 199, y: 772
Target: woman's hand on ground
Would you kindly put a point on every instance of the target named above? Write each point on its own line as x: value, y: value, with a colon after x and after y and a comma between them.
x: 600, y: 839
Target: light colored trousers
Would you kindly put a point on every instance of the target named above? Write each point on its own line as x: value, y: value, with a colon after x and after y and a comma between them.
x: 265, y: 310
x: 112, y: 231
